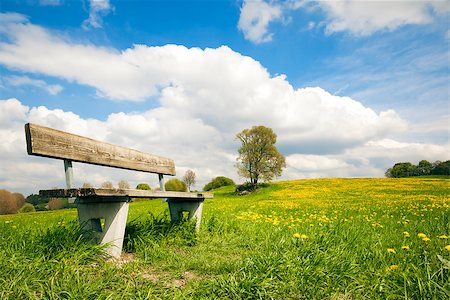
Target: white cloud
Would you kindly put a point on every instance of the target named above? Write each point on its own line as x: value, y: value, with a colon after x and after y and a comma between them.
x: 366, y: 17
x: 97, y: 10
x: 203, y: 84
x: 170, y: 132
x: 52, y: 89
x: 359, y: 17
x: 255, y: 17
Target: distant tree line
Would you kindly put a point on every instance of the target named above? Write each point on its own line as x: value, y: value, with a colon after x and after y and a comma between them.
x: 407, y: 169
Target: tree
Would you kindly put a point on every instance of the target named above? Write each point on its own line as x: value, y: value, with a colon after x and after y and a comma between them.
x: 123, y: 184
x: 189, y: 179
x: 175, y: 185
x: 87, y: 185
x: 403, y: 169
x: 107, y: 185
x: 441, y: 168
x: 218, y: 182
x: 424, y: 168
x: 143, y: 186
x: 258, y: 157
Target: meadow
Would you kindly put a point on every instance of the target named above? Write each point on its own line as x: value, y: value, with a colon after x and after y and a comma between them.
x: 303, y: 239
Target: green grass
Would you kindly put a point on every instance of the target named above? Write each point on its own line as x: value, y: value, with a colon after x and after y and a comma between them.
x: 306, y: 239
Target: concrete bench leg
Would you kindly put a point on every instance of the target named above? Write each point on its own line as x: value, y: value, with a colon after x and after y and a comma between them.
x: 194, y: 208
x: 115, y: 218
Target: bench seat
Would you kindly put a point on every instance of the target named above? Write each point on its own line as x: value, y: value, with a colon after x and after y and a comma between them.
x: 118, y: 193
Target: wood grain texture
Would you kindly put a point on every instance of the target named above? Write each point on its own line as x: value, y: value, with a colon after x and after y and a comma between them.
x: 48, y: 142
x: 117, y: 193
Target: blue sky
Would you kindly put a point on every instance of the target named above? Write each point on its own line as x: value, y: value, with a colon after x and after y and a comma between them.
x: 349, y: 87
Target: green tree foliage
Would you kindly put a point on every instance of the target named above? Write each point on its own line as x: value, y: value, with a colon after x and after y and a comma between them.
x: 175, y: 185
x: 218, y: 182
x: 189, y: 179
x: 10, y: 202
x: 407, y: 169
x: 35, y: 199
x: 258, y: 157
x: 143, y: 186
x: 441, y: 168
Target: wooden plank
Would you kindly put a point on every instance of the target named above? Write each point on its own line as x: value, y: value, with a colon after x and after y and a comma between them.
x: 94, y: 192
x: 48, y: 142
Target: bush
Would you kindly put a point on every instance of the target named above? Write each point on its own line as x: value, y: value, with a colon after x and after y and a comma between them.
x: 175, y: 185
x: 55, y: 203
x: 218, y: 182
x: 143, y: 186
x: 10, y: 203
x: 26, y: 208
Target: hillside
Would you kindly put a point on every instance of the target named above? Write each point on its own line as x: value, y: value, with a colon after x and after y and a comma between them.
x: 303, y: 239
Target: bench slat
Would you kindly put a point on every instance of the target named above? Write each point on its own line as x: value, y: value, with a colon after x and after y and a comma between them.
x: 94, y: 192
x: 48, y: 142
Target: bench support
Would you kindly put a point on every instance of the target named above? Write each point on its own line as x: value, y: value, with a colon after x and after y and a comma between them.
x: 194, y: 209
x: 114, y: 214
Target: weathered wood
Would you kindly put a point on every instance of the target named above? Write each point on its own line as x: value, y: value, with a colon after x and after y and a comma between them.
x: 48, y: 142
x: 104, y: 193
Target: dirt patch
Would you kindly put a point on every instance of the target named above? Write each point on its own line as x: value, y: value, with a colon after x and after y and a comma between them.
x: 123, y: 259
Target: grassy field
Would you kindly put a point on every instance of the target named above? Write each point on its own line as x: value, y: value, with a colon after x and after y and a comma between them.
x: 305, y: 239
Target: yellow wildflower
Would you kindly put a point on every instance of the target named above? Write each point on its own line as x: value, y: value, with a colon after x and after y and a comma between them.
x: 304, y: 236
x: 392, y: 268
x: 444, y: 237
x: 391, y: 250
x: 422, y: 235
x: 405, y: 248
x: 297, y: 235
x: 406, y: 234
x: 425, y: 239
x: 447, y: 247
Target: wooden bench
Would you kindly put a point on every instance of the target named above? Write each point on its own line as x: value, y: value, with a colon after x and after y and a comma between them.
x: 109, y: 205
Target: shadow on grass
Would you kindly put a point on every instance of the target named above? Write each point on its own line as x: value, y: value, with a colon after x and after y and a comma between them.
x: 155, y: 228
x: 66, y: 241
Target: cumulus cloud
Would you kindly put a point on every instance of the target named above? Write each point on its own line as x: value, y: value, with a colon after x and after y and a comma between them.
x: 193, y: 144
x: 52, y: 89
x: 97, y: 10
x: 203, y: 84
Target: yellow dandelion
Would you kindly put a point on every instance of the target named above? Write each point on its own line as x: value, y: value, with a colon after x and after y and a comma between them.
x: 392, y: 268
x: 406, y: 234
x: 447, y: 247
x: 304, y: 236
x: 405, y: 248
x: 297, y: 235
x: 443, y: 237
x: 425, y: 239
x: 422, y: 235
x: 391, y: 250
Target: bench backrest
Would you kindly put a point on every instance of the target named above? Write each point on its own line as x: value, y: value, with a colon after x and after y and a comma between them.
x: 48, y: 142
